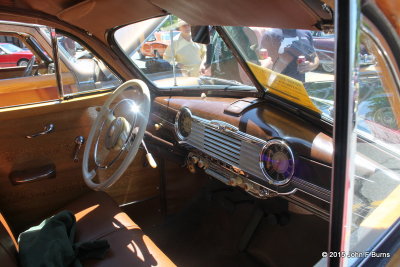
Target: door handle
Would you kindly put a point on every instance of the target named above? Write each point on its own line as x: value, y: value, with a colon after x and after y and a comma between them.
x: 47, y: 129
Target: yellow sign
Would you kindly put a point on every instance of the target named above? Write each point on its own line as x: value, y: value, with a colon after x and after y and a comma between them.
x: 283, y: 86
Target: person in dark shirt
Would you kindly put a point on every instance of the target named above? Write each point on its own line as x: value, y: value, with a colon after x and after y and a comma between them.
x: 291, y: 52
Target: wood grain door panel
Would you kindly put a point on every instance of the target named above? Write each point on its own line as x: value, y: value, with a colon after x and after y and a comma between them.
x: 28, y: 203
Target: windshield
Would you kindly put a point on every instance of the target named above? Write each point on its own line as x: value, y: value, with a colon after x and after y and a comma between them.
x: 166, y: 36
x: 181, y: 63
x: 294, y: 64
x: 298, y: 65
x: 10, y: 48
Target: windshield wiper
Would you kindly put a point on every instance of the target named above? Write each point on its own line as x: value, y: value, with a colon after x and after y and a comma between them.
x: 206, y: 82
x: 323, y: 101
x: 218, y: 81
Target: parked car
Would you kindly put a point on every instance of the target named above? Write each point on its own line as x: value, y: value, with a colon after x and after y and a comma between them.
x: 12, y: 55
x: 156, y: 44
x: 247, y: 166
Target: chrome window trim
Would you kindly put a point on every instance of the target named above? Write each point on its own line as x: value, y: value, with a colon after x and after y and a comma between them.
x: 373, y: 32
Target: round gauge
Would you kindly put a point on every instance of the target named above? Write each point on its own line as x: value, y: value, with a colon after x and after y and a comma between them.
x: 277, y: 162
x: 183, y: 123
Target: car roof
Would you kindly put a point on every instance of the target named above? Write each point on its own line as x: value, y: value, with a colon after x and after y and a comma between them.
x: 95, y: 16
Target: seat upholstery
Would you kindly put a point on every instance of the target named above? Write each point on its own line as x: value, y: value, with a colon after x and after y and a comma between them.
x: 99, y: 217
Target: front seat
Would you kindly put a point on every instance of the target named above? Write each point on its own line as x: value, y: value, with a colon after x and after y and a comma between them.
x: 99, y: 217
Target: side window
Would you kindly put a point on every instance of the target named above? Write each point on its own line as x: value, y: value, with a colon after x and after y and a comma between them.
x: 83, y: 71
x: 26, y: 74
x: 27, y: 70
x: 376, y: 204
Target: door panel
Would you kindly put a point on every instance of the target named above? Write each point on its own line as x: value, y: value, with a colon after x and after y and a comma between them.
x: 32, y: 89
x: 28, y: 203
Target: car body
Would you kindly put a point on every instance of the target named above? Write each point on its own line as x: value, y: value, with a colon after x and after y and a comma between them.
x: 12, y: 55
x: 325, y: 47
x: 255, y: 166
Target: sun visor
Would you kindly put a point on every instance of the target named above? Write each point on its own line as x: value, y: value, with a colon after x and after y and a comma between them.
x: 96, y: 16
x: 77, y: 11
x: 295, y: 14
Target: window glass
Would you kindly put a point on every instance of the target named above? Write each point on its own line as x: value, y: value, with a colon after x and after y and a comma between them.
x: 26, y: 73
x: 294, y: 64
x: 82, y: 71
x: 376, y: 203
x: 181, y: 62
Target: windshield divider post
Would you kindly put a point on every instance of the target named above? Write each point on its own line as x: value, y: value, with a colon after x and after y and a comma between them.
x: 171, y: 34
x: 235, y: 51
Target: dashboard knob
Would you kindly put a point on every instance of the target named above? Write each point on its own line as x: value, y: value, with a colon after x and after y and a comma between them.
x: 157, y: 126
x: 247, y: 187
x: 200, y: 164
x: 194, y: 159
x: 232, y: 182
x: 191, y: 167
x: 235, y: 181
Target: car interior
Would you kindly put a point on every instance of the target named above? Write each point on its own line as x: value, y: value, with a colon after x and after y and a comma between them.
x: 231, y: 166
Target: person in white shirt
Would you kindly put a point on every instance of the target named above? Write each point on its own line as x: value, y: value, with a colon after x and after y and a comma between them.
x: 188, y: 54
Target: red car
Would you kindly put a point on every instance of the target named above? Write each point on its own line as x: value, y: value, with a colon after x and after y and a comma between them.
x: 156, y: 44
x: 11, y: 55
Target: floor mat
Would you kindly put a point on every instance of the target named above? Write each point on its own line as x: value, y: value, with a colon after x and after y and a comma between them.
x: 298, y: 243
x: 213, y: 229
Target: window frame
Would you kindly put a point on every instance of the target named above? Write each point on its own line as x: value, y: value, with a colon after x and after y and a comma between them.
x: 28, y: 33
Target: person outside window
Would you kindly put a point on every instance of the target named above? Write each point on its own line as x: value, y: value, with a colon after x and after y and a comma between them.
x: 188, y: 55
x: 291, y: 52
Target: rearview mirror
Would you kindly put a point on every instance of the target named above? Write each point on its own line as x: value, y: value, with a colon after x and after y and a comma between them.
x: 200, y: 34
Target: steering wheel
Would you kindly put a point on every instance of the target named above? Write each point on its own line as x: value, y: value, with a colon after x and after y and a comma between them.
x: 29, y: 67
x: 116, y: 134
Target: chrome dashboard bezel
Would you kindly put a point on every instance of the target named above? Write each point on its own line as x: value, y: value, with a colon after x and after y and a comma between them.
x: 262, y: 164
x: 176, y: 123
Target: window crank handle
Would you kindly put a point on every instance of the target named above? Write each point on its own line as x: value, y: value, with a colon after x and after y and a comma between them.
x: 79, y: 141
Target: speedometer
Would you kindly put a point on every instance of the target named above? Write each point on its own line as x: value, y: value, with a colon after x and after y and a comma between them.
x: 277, y: 162
x: 183, y: 123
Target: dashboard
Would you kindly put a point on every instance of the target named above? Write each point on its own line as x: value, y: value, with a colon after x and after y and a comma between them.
x: 247, y: 143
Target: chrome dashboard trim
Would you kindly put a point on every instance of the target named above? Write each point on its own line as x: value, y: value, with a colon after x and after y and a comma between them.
x: 227, y: 128
x: 244, y: 153
x: 312, y: 189
x: 176, y: 123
